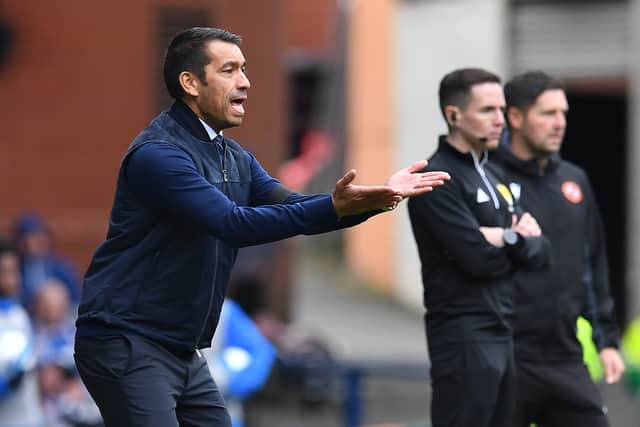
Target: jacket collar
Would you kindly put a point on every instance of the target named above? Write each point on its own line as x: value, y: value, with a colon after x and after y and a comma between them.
x: 186, y: 118
x: 530, y: 167
x: 444, y: 146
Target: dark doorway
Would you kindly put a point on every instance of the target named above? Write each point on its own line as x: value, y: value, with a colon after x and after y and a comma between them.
x: 596, y: 140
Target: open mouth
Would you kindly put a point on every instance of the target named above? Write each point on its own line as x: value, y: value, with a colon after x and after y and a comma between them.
x: 238, y: 104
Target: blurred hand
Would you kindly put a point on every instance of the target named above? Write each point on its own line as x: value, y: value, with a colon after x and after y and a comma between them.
x: 527, y: 225
x: 410, y: 182
x: 613, y: 364
x: 493, y: 235
x: 350, y: 199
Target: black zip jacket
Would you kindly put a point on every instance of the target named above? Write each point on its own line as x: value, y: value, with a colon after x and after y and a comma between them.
x: 548, y: 303
x: 467, y: 281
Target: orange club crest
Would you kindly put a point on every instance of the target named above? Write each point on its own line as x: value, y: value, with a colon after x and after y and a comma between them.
x: 572, y: 192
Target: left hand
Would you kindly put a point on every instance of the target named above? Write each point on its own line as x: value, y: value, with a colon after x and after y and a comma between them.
x: 612, y: 363
x: 493, y: 235
x: 527, y: 225
x: 409, y: 182
x: 350, y: 199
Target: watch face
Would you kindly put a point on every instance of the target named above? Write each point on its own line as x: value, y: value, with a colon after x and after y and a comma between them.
x: 510, y: 237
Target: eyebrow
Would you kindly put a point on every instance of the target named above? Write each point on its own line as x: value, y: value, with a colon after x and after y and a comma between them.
x: 234, y: 63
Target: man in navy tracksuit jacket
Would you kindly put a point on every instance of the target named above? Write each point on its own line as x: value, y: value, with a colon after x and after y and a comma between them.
x: 186, y: 199
x: 469, y: 247
x: 554, y: 386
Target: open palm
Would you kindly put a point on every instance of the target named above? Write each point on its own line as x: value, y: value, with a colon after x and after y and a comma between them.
x: 411, y: 182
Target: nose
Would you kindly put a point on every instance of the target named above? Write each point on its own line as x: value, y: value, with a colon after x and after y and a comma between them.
x: 561, y: 121
x: 243, y: 81
x: 499, y: 118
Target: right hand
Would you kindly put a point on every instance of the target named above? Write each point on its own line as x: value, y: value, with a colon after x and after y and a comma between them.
x: 350, y: 199
x: 527, y: 225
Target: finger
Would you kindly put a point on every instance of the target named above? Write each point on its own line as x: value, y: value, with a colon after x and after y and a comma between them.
x: 418, y: 191
x: 346, y: 179
x: 432, y: 183
x: 619, y: 370
x: 427, y: 183
x: 514, y: 220
x: 437, y: 175
x: 376, y: 190
x: 610, y: 374
x: 417, y: 166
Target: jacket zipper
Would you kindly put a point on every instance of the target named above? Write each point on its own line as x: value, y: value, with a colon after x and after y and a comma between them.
x: 483, y: 175
x: 225, y: 178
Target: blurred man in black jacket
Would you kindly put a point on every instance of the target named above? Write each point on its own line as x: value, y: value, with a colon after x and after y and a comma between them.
x: 554, y: 386
x: 470, y: 246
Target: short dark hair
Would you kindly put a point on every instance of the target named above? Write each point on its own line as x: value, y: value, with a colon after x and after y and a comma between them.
x: 523, y: 90
x: 187, y: 52
x: 455, y: 87
x: 6, y: 247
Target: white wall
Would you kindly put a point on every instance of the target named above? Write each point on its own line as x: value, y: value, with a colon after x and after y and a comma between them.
x: 633, y: 158
x: 432, y: 38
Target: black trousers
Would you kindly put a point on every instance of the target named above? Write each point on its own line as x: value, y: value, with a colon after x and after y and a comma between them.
x: 136, y: 382
x: 557, y: 395
x: 473, y: 384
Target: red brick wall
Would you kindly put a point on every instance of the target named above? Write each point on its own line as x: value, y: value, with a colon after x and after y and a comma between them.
x: 311, y: 25
x: 79, y: 86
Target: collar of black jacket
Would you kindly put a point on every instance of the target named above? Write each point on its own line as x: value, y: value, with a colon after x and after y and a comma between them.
x: 504, y: 155
x: 185, y: 116
x: 444, y: 146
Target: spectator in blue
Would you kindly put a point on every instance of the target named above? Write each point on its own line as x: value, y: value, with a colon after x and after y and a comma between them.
x: 65, y: 400
x: 38, y: 263
x: 240, y: 358
x: 19, y: 396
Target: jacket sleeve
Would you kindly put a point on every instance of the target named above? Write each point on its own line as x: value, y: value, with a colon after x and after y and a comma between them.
x: 266, y: 190
x: 449, y: 221
x: 599, y: 303
x: 164, y: 179
x: 532, y: 254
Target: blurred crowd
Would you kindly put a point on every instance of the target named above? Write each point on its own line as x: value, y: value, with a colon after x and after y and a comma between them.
x: 39, y: 293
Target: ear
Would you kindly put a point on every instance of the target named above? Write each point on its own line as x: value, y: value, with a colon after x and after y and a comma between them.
x: 515, y: 117
x: 190, y: 83
x: 452, y: 114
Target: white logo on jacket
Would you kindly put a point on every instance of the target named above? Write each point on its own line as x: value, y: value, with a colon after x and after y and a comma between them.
x: 481, y: 196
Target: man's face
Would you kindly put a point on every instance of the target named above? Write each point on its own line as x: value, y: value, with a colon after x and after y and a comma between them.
x: 543, y: 126
x: 482, y: 119
x: 221, y: 97
x: 9, y: 275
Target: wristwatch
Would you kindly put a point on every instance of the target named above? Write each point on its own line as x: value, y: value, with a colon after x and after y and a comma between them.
x: 510, y: 237
x: 390, y: 208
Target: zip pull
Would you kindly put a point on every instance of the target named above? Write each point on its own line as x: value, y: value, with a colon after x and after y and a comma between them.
x: 198, y: 353
x: 225, y: 177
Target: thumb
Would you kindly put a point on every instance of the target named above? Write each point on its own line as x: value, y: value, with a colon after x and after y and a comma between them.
x: 417, y: 166
x: 346, y: 179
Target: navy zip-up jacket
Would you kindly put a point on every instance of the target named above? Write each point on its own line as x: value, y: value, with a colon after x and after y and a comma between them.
x: 183, y: 206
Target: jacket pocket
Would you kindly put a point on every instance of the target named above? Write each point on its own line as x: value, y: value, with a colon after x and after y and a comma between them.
x: 108, y: 357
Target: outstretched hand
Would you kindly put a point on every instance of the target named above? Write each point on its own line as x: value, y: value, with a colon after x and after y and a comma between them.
x: 411, y: 182
x: 350, y: 199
